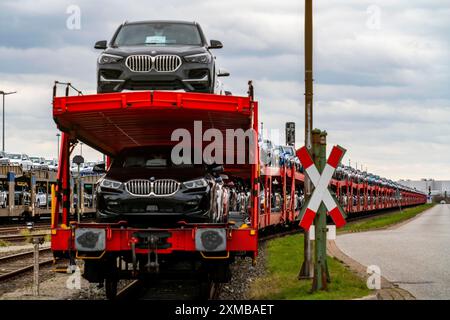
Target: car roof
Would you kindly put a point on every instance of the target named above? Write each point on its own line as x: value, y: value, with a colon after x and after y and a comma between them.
x: 160, y: 21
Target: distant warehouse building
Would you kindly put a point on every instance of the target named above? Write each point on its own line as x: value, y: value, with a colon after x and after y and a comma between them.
x: 437, y: 187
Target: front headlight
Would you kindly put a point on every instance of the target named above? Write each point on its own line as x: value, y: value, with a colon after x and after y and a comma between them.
x: 199, y: 58
x: 112, y: 184
x: 106, y: 58
x: 198, y: 183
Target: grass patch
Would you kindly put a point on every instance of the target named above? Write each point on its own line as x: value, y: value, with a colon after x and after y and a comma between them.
x: 284, y: 257
x: 48, y: 238
x: 385, y: 220
x: 29, y: 235
x: 4, y: 243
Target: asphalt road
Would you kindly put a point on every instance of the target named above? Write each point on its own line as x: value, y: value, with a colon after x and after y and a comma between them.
x: 415, y: 255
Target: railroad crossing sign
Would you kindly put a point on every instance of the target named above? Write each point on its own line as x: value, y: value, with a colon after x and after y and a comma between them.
x: 321, y: 192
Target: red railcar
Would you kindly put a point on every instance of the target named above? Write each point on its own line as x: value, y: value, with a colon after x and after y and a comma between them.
x: 111, y: 122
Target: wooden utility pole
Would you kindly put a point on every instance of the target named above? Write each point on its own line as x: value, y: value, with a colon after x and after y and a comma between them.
x: 306, y: 270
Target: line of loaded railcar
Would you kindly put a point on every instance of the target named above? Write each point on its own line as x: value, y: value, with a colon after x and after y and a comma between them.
x: 156, y: 220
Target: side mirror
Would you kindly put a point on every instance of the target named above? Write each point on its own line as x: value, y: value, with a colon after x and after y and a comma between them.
x: 215, y: 44
x: 223, y: 72
x: 99, y: 168
x: 101, y: 45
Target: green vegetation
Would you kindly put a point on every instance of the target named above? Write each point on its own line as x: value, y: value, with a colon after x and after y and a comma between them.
x: 4, y: 243
x: 284, y: 257
x: 29, y: 235
x: 48, y: 238
x: 386, y: 220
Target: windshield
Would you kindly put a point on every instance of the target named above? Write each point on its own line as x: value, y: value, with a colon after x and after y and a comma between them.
x: 160, y: 34
x: 149, y: 158
x: 15, y: 156
x: 34, y: 159
x: 288, y: 150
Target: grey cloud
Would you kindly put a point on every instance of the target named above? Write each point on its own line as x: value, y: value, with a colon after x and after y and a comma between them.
x: 383, y: 94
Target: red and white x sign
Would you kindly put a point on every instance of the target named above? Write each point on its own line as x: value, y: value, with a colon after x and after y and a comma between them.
x: 321, y: 192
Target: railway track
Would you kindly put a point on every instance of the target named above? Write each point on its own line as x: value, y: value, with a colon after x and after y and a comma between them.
x: 16, y: 264
x: 169, y: 290
x: 181, y: 289
x: 21, y: 238
x: 15, y: 230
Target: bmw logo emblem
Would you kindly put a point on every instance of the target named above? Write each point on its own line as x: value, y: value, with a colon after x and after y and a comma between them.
x: 152, y: 179
x: 153, y: 52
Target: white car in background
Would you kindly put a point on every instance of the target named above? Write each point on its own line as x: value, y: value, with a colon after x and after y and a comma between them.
x: 21, y: 159
x: 3, y: 199
x: 87, y: 169
x: 41, y: 199
x: 52, y: 165
x: 4, y: 159
x: 37, y: 163
x: 74, y: 168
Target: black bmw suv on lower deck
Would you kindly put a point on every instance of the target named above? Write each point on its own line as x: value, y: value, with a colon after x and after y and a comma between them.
x: 144, y: 187
x: 158, y: 55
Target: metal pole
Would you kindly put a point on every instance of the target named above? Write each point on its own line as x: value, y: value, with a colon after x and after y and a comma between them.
x: 321, y: 276
x: 57, y: 146
x: 36, y: 242
x: 36, y: 270
x: 306, y: 270
x: 3, y: 125
x: 78, y: 195
x: 3, y: 117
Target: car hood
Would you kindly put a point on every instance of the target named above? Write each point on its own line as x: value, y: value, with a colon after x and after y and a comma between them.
x: 172, y: 49
x: 178, y: 174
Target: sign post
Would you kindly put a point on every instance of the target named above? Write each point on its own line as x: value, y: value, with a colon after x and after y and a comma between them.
x: 321, y: 201
x: 306, y: 269
x: 321, y: 275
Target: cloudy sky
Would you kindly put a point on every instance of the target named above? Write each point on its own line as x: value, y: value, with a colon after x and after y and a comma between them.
x: 381, y: 69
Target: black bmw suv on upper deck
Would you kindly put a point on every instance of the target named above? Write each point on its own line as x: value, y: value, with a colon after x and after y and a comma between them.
x: 158, y: 55
x: 146, y: 188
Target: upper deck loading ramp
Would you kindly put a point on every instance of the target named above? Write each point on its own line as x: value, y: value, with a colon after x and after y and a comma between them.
x: 112, y: 122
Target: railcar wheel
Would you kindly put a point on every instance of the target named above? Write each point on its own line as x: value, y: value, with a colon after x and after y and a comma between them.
x: 205, y: 289
x: 111, y: 288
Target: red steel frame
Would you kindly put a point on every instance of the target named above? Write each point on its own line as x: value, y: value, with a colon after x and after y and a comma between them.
x: 110, y: 122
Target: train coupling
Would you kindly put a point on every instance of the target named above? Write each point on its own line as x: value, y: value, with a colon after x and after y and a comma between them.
x: 152, y: 256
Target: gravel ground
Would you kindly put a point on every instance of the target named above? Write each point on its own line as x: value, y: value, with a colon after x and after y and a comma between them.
x: 243, y: 275
x: 53, y: 286
x: 8, y: 250
x: 21, y: 285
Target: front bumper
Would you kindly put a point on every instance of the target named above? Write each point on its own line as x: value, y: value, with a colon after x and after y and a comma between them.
x: 119, y: 237
x: 192, y: 206
x: 190, y: 77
